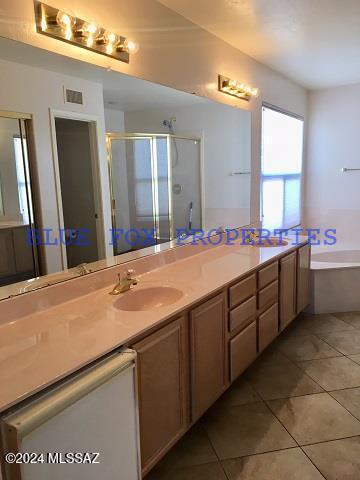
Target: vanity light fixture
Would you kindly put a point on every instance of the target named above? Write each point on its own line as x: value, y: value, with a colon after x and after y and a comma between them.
x: 60, y: 25
x: 237, y: 89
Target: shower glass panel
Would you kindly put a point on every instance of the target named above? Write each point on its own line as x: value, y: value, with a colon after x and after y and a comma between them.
x: 133, y: 196
x: 185, y: 185
x: 18, y: 260
x: 156, y: 187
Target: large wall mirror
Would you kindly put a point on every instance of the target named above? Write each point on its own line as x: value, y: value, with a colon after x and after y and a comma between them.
x: 118, y: 167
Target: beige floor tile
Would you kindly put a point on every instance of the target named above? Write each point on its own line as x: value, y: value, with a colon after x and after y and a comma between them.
x: 296, y: 328
x: 338, y: 460
x: 315, y: 418
x: 353, y: 318
x: 325, y: 323
x: 281, y: 381
x: 350, y: 399
x: 290, y: 464
x: 347, y: 343
x: 355, y: 358
x: 245, y: 430
x: 210, y: 471
x: 333, y: 373
x: 240, y: 393
x: 193, y: 449
x: 272, y: 356
x: 306, y: 348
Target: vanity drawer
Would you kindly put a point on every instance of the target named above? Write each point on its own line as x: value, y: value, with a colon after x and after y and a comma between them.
x: 268, y: 274
x: 242, y: 290
x: 268, y: 326
x: 242, y: 315
x: 269, y: 295
x: 242, y: 351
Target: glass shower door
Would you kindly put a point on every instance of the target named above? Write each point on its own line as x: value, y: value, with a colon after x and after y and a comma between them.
x: 185, y: 185
x: 134, y: 196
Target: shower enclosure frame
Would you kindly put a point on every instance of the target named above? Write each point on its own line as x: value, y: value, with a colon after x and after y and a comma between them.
x: 152, y: 137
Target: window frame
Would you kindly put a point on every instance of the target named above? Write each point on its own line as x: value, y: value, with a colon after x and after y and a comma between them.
x: 283, y: 111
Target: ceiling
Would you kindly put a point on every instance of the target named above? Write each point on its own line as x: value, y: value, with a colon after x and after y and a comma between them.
x: 121, y: 92
x: 314, y: 42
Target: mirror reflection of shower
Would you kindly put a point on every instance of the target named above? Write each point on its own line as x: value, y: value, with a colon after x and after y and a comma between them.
x: 176, y: 187
x: 155, y: 184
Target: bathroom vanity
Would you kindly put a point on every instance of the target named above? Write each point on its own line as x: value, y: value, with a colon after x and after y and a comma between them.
x: 187, y: 364
x: 234, y: 302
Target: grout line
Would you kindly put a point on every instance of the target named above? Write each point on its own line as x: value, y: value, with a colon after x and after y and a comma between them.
x: 348, y: 357
x: 307, y: 456
x: 215, y: 452
x: 329, y: 441
x: 345, y: 408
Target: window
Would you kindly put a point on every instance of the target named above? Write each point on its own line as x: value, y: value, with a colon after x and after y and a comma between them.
x: 20, y: 174
x: 281, y: 168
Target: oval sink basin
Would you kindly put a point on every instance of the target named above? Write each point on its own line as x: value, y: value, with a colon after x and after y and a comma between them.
x: 148, y: 298
x: 269, y: 242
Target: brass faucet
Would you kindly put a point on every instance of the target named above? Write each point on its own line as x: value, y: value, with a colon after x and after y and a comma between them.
x: 125, y: 282
x: 83, y: 269
x: 252, y: 237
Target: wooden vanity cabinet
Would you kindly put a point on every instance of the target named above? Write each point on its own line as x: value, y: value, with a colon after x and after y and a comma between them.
x: 163, y: 390
x: 185, y: 366
x: 303, y: 278
x: 288, y: 292
x: 208, y: 354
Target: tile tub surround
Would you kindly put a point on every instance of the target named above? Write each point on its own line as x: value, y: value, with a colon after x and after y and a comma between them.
x: 323, y: 439
x: 49, y: 334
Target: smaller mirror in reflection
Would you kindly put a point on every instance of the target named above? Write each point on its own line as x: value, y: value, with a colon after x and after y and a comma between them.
x: 18, y: 260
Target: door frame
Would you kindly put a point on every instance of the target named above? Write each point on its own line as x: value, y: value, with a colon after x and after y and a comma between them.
x: 93, y: 121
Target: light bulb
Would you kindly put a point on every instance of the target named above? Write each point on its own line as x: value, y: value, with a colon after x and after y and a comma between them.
x: 64, y: 20
x: 111, y: 37
x: 86, y: 29
x: 91, y: 28
x: 132, y: 47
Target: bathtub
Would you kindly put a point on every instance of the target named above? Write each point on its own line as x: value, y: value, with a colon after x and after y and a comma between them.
x: 335, y: 274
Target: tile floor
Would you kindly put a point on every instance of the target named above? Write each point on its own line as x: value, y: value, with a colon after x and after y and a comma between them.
x: 293, y: 415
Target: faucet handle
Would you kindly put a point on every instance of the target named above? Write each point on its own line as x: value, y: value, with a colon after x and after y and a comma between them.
x: 129, y: 272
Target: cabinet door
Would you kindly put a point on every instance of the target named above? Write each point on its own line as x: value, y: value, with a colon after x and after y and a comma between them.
x: 163, y: 390
x: 268, y: 326
x: 209, y: 366
x: 303, y: 277
x: 287, y: 289
x: 243, y: 350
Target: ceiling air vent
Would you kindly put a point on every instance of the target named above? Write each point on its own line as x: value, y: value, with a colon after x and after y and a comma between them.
x: 72, y: 96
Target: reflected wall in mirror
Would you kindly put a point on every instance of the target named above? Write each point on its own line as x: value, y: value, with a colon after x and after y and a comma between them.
x: 124, y: 154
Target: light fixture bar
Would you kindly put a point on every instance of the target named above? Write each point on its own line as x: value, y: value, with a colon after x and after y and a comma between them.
x: 237, y: 89
x: 60, y: 25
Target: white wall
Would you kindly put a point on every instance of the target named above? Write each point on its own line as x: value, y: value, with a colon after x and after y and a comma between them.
x: 173, y: 52
x: 333, y: 198
x: 35, y: 91
x: 226, y: 136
